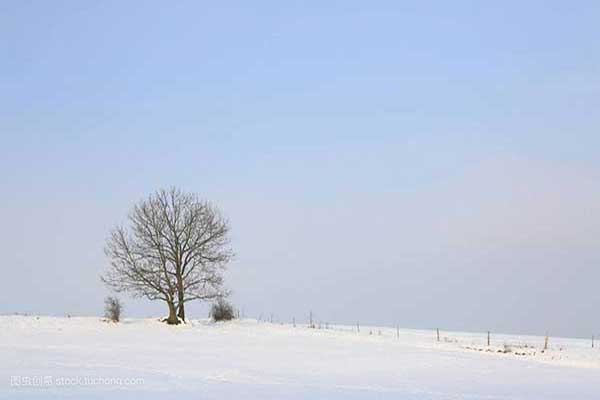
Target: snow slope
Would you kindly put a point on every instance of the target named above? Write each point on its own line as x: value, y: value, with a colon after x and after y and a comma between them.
x: 47, y: 358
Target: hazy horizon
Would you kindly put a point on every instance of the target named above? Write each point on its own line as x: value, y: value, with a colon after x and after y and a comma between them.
x: 391, y: 164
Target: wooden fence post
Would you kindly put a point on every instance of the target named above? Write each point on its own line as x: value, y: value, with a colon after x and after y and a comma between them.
x: 438, y: 334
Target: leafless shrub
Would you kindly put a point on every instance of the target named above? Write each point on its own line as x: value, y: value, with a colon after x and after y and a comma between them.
x: 112, y: 309
x: 222, y: 311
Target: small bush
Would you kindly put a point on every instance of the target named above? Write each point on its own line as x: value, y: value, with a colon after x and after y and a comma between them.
x: 112, y: 309
x: 222, y: 311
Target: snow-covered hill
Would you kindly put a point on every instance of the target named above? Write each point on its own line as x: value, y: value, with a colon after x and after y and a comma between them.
x: 46, y: 358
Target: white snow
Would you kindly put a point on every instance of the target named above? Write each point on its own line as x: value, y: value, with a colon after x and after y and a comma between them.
x: 85, y: 357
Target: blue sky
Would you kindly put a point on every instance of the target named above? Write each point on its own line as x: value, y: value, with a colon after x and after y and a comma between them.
x: 393, y: 162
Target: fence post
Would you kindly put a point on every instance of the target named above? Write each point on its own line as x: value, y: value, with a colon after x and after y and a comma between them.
x: 438, y: 334
x: 488, y: 339
x: 294, y: 321
x: 546, y: 342
x: 397, y: 332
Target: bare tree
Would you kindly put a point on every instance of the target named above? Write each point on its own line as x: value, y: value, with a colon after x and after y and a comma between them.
x: 175, y: 250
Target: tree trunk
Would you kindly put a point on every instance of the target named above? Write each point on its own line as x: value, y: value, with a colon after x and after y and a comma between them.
x: 181, y: 310
x: 180, y: 302
x: 172, y: 319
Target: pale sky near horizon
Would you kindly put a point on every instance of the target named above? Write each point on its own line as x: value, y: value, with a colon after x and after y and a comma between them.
x: 390, y: 162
